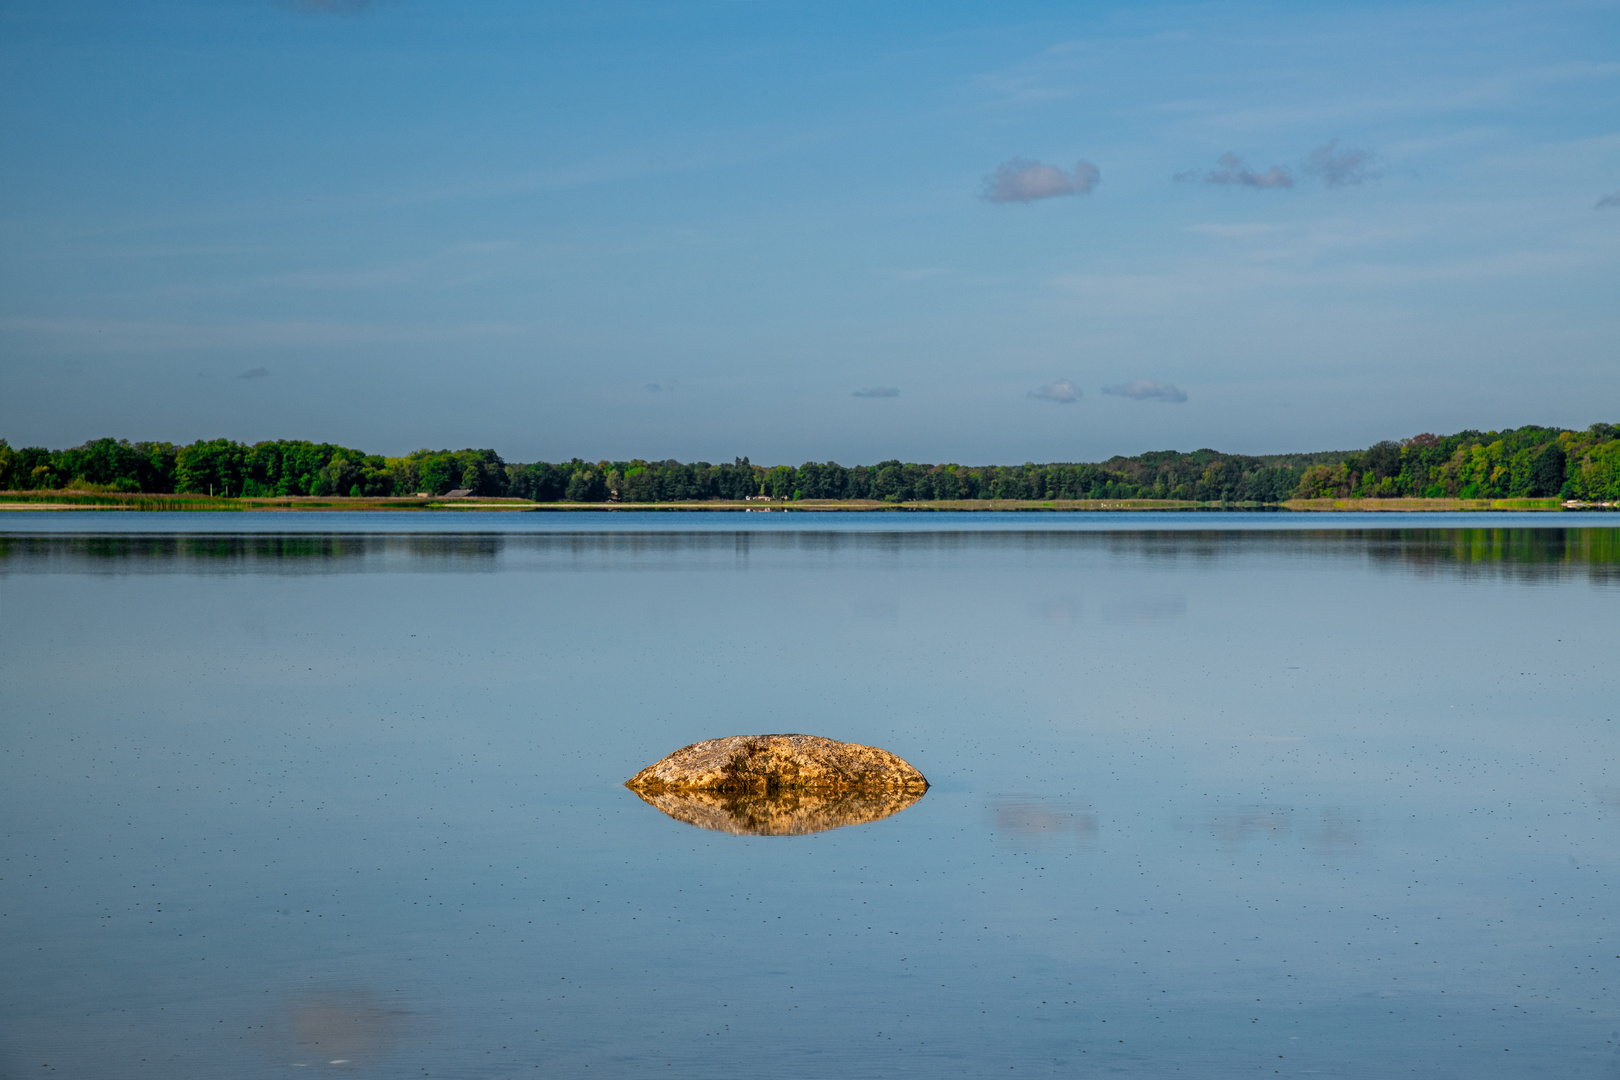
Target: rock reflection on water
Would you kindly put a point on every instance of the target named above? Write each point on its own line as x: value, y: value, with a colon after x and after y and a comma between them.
x: 343, y: 1028
x: 788, y: 813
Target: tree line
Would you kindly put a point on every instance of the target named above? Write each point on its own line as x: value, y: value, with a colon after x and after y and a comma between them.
x: 1526, y: 462
x: 1529, y: 462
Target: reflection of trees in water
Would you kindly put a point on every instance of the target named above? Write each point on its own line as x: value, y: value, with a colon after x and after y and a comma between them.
x: 287, y: 553
x: 1035, y: 821
x: 1524, y: 553
x: 1529, y: 554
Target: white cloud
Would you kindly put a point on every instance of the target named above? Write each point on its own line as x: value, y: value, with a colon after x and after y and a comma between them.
x: 1230, y: 171
x: 1339, y: 168
x: 1147, y: 390
x: 1063, y: 392
x: 1021, y: 180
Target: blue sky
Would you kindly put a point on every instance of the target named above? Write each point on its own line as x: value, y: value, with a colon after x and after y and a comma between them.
x: 799, y: 231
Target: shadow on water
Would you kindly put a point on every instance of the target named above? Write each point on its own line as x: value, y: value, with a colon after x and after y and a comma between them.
x: 788, y: 813
x: 1527, y: 554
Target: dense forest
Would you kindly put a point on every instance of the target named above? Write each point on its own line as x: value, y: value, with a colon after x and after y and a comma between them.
x: 1529, y: 462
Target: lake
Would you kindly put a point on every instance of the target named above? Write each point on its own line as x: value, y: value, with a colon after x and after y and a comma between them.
x: 1213, y: 795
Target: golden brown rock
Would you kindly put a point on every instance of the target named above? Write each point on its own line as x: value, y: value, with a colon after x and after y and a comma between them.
x: 775, y: 764
x: 778, y: 785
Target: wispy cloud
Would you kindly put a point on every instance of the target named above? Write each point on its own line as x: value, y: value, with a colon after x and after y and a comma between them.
x: 1147, y: 390
x: 1021, y: 180
x: 1236, y: 231
x: 1229, y: 171
x: 255, y: 373
x: 1340, y: 168
x: 328, y: 7
x: 122, y: 335
x: 1014, y: 89
x: 1063, y: 392
x: 877, y: 391
x: 1609, y: 201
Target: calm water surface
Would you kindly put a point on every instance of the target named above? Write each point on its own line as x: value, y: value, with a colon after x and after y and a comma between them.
x: 1213, y: 796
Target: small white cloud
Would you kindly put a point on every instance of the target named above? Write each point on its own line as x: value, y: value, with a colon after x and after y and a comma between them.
x: 1230, y: 171
x: 1063, y: 392
x: 255, y: 373
x: 1611, y: 200
x: 1340, y: 168
x: 1021, y: 180
x: 1147, y: 390
x: 1086, y: 176
x: 877, y: 391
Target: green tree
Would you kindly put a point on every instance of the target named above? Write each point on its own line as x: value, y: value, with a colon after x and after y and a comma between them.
x: 586, y: 485
x: 215, y: 466
x: 1547, y: 471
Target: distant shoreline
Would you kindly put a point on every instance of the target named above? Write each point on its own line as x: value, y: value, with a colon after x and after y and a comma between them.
x: 69, y: 500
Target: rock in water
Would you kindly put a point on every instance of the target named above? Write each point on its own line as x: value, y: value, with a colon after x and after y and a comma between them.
x: 769, y: 764
x: 778, y: 785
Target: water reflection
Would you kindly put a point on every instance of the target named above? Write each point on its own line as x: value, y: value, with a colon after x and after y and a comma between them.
x: 233, y: 728
x: 1031, y: 821
x: 789, y: 813
x: 1330, y: 833
x: 335, y: 1029
x: 1234, y: 827
x: 1524, y: 553
x: 1530, y: 554
x: 292, y: 553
